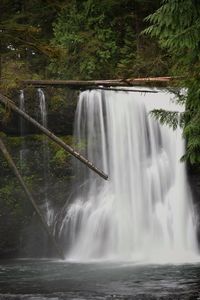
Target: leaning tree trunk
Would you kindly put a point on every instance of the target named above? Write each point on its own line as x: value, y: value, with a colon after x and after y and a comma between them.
x: 30, y: 197
x: 7, y: 102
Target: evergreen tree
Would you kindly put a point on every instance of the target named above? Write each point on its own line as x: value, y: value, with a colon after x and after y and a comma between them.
x: 25, y: 31
x: 104, y: 41
x: 176, y: 25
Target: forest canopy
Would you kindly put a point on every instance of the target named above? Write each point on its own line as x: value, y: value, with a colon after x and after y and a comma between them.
x: 78, y: 39
x: 176, y: 26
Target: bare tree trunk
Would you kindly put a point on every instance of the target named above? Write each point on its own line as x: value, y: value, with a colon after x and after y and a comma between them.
x: 29, y: 196
x: 7, y: 102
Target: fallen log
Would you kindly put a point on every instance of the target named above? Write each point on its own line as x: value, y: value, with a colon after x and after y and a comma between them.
x: 9, y: 103
x: 74, y: 83
x: 30, y: 197
x: 112, y: 82
x: 120, y: 89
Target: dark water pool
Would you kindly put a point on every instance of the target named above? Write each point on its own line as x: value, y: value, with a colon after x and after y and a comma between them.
x: 48, y: 279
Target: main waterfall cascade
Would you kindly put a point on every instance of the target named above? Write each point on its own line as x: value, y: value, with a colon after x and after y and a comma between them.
x: 144, y: 212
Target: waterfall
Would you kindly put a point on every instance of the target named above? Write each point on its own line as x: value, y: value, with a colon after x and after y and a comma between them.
x: 43, y: 108
x: 22, y: 129
x: 22, y: 107
x: 145, y: 211
x: 43, y: 113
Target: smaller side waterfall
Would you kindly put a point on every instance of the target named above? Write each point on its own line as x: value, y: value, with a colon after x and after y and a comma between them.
x: 43, y: 108
x: 22, y: 107
x: 43, y: 115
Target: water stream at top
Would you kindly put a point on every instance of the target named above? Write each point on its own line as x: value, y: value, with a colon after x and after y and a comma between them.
x: 144, y: 212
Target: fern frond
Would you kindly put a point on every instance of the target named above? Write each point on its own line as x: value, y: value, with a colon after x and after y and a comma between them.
x: 171, y: 118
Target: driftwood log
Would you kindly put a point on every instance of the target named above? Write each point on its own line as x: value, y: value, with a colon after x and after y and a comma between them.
x: 9, y: 103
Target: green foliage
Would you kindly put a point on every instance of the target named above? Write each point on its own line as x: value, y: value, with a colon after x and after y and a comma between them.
x: 171, y: 118
x: 57, y: 102
x: 26, y: 25
x: 90, y: 41
x: 59, y: 156
x: 104, y: 41
x: 25, y: 33
x: 176, y: 25
x: 192, y: 121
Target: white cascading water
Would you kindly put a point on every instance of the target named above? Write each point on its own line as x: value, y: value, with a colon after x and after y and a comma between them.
x: 43, y: 113
x: 144, y: 212
x: 42, y: 105
x: 22, y: 107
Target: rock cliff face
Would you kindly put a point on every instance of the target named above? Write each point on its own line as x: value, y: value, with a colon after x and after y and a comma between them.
x: 60, y: 109
x: 20, y: 229
x: 60, y: 123
x: 194, y: 180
